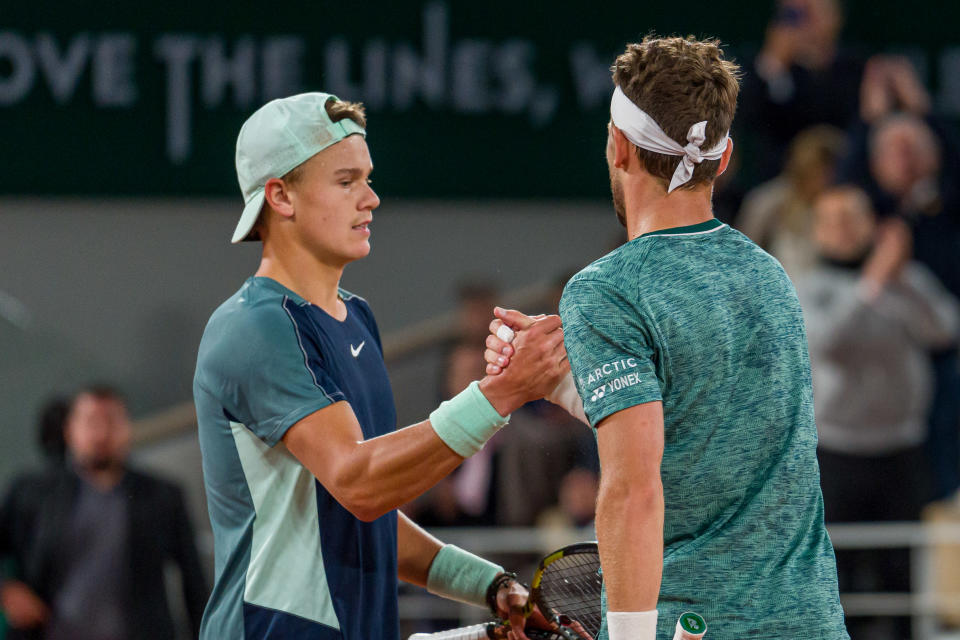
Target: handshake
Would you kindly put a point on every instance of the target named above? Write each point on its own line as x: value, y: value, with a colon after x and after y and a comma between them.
x: 526, y: 361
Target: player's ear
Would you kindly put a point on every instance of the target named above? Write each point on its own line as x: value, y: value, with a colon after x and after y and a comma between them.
x: 622, y: 148
x: 725, y: 158
x: 277, y: 195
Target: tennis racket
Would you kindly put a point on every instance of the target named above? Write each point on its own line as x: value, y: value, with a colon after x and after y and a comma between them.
x: 566, y: 587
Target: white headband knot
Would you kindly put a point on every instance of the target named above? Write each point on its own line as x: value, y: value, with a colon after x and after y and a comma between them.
x: 643, y: 131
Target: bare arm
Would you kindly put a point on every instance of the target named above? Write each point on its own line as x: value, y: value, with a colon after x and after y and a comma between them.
x: 630, y: 506
x: 369, y: 477
x: 416, y: 550
x: 373, y: 477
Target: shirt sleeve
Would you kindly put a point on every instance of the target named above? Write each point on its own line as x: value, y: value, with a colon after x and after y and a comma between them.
x: 610, y: 348
x: 268, y: 371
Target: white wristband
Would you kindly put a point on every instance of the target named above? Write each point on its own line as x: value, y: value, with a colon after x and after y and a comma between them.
x: 632, y: 625
x: 567, y: 397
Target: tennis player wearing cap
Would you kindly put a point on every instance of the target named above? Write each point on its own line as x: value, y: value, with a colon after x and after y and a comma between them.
x: 303, y: 467
x: 688, y: 350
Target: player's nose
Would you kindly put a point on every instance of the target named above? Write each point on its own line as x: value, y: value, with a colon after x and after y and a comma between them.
x: 371, y: 200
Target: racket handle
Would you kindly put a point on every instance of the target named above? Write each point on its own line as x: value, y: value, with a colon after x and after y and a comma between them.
x: 690, y: 626
x: 473, y: 632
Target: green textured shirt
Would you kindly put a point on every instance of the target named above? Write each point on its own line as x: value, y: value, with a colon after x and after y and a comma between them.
x: 703, y: 320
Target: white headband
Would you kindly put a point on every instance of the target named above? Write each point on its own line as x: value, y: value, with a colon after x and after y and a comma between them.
x: 643, y: 131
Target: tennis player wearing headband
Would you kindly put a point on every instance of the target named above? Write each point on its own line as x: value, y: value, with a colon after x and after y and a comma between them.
x: 303, y: 467
x: 689, y: 357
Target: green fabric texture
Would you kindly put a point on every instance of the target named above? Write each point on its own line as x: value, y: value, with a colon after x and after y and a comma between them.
x: 703, y: 320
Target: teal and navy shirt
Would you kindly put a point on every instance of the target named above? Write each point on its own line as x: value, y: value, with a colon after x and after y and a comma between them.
x: 291, y: 562
x: 703, y: 320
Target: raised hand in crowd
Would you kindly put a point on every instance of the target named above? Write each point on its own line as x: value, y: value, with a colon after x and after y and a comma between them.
x: 891, y: 84
x: 892, y: 250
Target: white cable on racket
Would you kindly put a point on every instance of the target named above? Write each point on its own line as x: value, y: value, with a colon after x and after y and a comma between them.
x: 474, y: 632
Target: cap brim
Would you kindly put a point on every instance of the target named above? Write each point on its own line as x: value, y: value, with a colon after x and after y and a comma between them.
x: 251, y: 211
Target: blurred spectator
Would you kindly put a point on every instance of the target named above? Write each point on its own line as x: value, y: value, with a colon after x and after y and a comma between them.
x: 871, y: 316
x: 89, y: 540
x: 908, y: 168
x: 541, y: 447
x: 577, y: 504
x: 801, y: 77
x: 909, y: 162
x: 778, y: 214
x: 53, y: 417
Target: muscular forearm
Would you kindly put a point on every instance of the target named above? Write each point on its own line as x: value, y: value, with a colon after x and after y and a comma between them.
x: 630, y: 535
x: 630, y: 506
x: 378, y: 475
x: 372, y: 477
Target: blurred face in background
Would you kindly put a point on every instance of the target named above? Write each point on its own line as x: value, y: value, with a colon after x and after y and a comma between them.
x: 844, y: 224
x: 812, y: 160
x: 903, y: 152
x: 98, y: 432
x: 817, y: 24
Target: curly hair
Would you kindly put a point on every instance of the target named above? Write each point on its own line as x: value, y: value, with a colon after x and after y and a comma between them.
x: 679, y: 82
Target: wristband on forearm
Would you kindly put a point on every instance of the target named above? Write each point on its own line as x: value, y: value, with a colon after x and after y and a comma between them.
x: 459, y: 575
x: 632, y: 625
x: 467, y: 421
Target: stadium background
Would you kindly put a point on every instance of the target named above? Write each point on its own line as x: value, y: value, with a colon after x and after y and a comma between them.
x: 118, y: 193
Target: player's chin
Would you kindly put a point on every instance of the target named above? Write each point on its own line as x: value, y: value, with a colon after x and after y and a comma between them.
x: 359, y: 249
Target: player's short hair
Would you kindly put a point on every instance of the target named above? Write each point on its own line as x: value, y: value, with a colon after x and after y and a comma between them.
x: 337, y: 110
x: 679, y: 82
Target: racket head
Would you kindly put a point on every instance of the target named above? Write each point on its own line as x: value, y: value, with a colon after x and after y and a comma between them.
x: 568, y: 582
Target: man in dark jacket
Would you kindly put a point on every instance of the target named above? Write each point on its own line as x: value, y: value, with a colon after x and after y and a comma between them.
x: 89, y: 541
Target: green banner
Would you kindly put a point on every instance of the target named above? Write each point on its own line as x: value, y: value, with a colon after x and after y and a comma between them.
x: 465, y: 99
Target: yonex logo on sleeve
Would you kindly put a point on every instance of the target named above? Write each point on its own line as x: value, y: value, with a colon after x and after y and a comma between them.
x: 617, y: 383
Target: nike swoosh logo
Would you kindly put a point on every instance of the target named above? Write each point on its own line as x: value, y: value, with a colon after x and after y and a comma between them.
x: 356, y: 350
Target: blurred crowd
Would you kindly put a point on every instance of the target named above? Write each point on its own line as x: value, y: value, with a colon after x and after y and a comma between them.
x: 846, y: 175
x: 855, y: 191
x: 87, y: 541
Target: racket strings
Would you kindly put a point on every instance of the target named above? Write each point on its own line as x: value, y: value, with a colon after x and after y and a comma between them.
x: 571, y: 586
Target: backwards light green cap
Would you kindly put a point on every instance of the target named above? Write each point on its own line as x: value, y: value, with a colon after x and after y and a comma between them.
x: 279, y: 136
